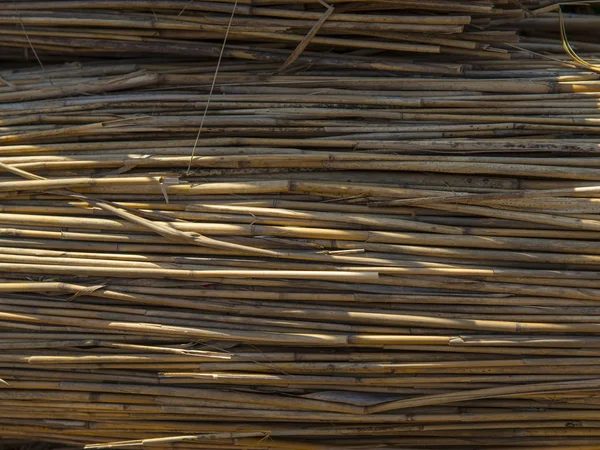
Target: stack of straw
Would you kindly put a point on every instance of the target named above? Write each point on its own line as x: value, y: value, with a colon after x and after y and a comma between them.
x: 299, y: 225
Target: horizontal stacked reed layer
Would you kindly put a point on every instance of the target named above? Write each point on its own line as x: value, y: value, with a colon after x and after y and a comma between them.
x: 442, y: 37
x: 335, y: 255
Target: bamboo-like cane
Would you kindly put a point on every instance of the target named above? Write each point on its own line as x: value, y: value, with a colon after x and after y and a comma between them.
x: 382, y: 232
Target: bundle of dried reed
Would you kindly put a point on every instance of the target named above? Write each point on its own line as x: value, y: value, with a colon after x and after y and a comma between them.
x: 307, y: 250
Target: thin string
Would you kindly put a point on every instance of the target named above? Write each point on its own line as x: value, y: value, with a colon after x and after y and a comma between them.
x: 27, y: 37
x: 212, y: 87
